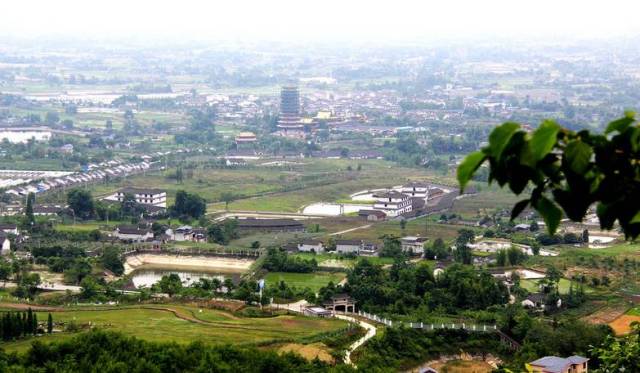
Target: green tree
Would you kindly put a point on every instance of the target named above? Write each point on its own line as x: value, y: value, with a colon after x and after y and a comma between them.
x: 189, y: 205
x: 437, y: 250
x: 619, y: 354
x: 81, y: 202
x: 51, y: 117
x: 30, y: 219
x: 49, y: 324
x: 129, y: 207
x: 170, y: 284
x: 391, y: 246
x: 227, y: 198
x: 111, y: 260
x: 89, y: 287
x: 568, y: 171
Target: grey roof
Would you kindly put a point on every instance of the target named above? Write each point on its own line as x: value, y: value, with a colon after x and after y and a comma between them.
x: 266, y: 223
x: 134, y: 190
x: 372, y: 212
x: 575, y: 359
x: 536, y: 297
x: 310, y: 241
x: 554, y: 364
x: 392, y: 194
x: 132, y: 230
x: 349, y: 242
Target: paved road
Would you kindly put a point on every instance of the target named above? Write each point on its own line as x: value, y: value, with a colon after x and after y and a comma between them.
x: 371, y: 332
x: 370, y: 328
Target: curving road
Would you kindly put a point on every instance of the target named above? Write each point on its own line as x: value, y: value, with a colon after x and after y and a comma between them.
x: 371, y: 332
x: 370, y: 328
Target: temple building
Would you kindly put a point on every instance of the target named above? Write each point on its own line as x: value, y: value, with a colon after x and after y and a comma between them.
x: 290, y: 123
x: 246, y: 139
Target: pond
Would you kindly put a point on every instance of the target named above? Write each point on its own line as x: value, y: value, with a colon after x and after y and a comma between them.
x: 148, y: 277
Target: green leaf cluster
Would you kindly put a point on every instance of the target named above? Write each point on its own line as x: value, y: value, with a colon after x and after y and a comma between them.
x: 565, y: 172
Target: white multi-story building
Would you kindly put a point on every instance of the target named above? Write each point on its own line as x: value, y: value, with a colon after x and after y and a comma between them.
x: 155, y: 197
x: 413, y: 244
x: 393, y: 203
x: 415, y: 189
x: 348, y: 246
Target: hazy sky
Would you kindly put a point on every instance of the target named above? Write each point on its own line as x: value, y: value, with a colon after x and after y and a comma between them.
x: 365, y: 20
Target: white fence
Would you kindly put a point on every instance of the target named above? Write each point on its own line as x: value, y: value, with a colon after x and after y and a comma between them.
x: 431, y: 326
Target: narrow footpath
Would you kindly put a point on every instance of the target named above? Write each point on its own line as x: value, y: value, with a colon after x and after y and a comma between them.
x: 371, y: 332
x: 370, y: 328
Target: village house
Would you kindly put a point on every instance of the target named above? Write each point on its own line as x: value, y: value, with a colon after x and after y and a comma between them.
x: 269, y: 225
x: 47, y: 210
x: 416, y: 189
x: 349, y: 246
x: 5, y: 248
x: 413, y: 244
x: 182, y: 233
x: 439, y: 269
x: 537, y: 301
x: 392, y: 203
x: 372, y: 215
x: 134, y: 234
x: 187, y: 233
x: 369, y: 249
x: 9, y: 228
x: 554, y: 364
x: 155, y: 197
x: 315, y: 246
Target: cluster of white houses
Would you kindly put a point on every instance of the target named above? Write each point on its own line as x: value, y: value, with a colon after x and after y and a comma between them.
x: 100, y: 172
x: 401, y: 201
x: 413, y: 245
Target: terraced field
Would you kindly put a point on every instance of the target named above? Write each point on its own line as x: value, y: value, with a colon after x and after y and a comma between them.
x: 184, y: 324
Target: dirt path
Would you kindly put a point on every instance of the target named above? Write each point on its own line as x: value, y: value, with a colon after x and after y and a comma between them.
x: 351, y: 230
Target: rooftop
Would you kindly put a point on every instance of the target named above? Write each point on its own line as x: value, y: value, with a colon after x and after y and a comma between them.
x: 554, y: 364
x: 252, y: 222
x: 392, y: 195
x: 134, y: 190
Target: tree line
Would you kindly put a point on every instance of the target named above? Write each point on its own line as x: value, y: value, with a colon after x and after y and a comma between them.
x: 14, y: 325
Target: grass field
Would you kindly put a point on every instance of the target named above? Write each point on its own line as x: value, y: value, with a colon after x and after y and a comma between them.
x: 625, y: 249
x: 285, y: 189
x: 563, y: 286
x: 635, y: 311
x: 415, y: 227
x: 332, y: 260
x: 87, y: 226
x: 313, y: 281
x: 209, y: 326
x: 488, y: 200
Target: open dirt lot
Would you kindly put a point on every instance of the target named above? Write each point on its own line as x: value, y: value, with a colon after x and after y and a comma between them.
x: 622, y: 324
